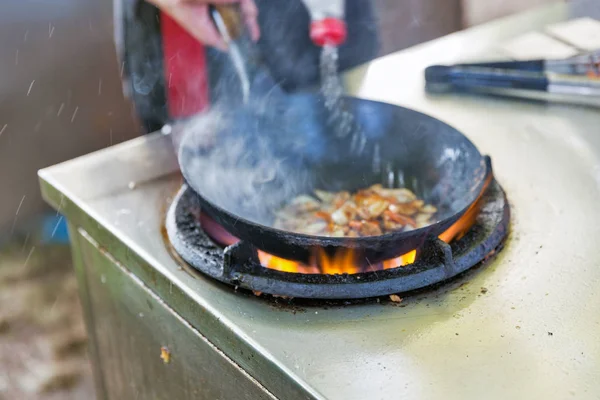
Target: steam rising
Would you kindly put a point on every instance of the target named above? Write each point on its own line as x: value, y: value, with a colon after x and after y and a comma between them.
x: 248, y: 161
x: 251, y: 160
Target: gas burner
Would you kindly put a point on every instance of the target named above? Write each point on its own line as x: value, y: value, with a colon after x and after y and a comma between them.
x: 239, y: 265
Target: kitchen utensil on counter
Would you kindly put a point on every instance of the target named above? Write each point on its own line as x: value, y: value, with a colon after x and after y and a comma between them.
x: 585, y: 64
x: 456, y: 78
x: 572, y: 79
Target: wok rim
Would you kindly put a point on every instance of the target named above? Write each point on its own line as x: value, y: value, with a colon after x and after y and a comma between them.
x: 323, y: 241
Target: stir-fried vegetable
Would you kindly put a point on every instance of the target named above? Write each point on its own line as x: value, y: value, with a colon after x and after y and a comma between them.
x: 370, y: 212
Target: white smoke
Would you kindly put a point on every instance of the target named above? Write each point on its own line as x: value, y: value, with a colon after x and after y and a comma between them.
x: 243, y: 172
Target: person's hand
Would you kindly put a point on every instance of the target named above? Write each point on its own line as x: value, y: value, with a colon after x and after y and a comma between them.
x: 193, y: 15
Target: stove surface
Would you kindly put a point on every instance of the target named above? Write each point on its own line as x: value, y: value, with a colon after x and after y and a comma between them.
x: 526, y: 326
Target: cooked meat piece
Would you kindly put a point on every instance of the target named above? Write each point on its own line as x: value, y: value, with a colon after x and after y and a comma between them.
x: 368, y: 228
x: 400, y: 219
x: 369, y: 212
x: 428, y: 209
x: 325, y: 197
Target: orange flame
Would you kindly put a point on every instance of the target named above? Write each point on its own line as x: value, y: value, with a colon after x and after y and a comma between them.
x: 401, y: 261
x: 342, y: 262
x: 281, y: 264
x: 345, y: 261
x: 464, y: 223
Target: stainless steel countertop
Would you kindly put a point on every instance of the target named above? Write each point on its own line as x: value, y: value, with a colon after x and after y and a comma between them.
x: 533, y: 334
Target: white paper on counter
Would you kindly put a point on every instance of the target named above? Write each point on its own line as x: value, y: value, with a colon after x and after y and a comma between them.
x: 583, y: 33
x: 536, y: 45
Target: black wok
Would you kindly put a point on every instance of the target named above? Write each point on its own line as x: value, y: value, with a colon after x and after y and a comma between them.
x: 244, y: 165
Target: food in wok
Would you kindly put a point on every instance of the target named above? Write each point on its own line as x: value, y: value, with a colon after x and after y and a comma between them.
x: 372, y: 211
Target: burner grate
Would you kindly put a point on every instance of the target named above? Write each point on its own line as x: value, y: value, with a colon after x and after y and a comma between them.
x: 238, y: 264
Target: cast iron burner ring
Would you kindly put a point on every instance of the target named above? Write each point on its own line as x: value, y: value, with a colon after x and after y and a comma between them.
x: 238, y: 265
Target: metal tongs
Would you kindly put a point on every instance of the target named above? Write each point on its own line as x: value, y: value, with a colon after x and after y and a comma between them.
x: 575, y: 76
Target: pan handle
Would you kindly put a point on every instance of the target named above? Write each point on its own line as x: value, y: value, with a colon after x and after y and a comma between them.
x: 229, y: 21
x: 230, y: 24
